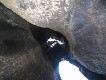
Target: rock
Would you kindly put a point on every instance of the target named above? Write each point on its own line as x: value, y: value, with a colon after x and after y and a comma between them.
x: 52, y: 14
x: 82, y: 22
x: 88, y: 22
x: 21, y: 57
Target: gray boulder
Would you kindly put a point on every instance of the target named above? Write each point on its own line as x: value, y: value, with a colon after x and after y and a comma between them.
x: 82, y: 22
x: 21, y: 57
